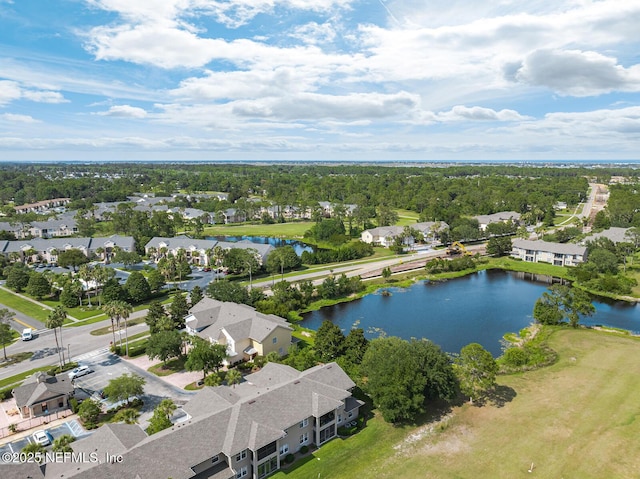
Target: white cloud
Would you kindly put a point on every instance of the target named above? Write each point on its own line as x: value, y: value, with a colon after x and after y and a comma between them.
x: 9, y: 91
x: 477, y: 113
x: 44, y: 96
x: 16, y: 118
x: 314, y: 33
x: 125, y: 111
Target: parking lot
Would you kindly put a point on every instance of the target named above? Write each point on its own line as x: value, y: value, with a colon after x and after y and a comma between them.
x: 107, y: 366
x: 71, y: 427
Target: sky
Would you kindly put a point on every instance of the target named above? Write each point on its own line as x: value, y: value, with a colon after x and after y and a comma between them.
x: 332, y: 80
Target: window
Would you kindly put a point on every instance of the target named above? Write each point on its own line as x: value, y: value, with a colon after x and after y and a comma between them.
x: 304, y: 422
x: 215, y: 459
x: 241, y: 456
x: 327, y: 418
x: 304, y: 438
x: 284, y: 449
x: 267, y: 467
x: 267, y: 450
x: 350, y: 414
x: 243, y: 471
x: 339, y: 418
x: 327, y: 433
x: 280, y: 351
x: 275, y: 340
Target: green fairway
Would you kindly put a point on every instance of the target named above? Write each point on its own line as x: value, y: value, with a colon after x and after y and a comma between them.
x: 294, y: 230
x: 575, y: 419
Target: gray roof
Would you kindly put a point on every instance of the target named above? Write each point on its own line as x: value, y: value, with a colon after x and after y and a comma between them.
x: 42, y: 387
x: 497, y: 217
x: 210, y: 316
x: 227, y: 420
x: 61, y: 244
x: 22, y: 471
x: 560, y: 248
x: 384, y: 231
x: 428, y: 226
x: 617, y: 235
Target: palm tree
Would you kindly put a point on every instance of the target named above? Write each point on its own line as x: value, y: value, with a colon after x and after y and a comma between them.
x: 119, y: 310
x: 86, y: 273
x: 54, y: 321
x: 233, y: 377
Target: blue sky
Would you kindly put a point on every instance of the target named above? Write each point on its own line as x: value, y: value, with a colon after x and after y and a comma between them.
x: 319, y: 80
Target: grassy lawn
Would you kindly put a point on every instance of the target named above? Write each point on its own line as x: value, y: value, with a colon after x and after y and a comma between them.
x: 17, y: 303
x: 575, y: 419
x: 173, y: 366
x: 536, y: 268
x: 11, y: 380
x: 293, y: 230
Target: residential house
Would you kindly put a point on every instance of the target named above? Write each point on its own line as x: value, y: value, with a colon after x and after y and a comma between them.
x: 615, y: 234
x: 43, y: 394
x: 47, y: 250
x: 384, y: 235
x: 231, y: 215
x: 501, y: 217
x: 197, y: 250
x: 42, y: 206
x: 238, y: 432
x: 53, y: 228
x: 559, y: 254
x: 431, y: 230
x: 246, y: 332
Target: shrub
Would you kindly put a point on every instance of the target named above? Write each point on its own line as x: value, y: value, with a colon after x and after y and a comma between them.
x: 515, y: 357
x: 73, y: 402
x: 6, y: 393
x: 304, y: 449
x: 289, y: 458
x: 13, y: 428
x: 58, y: 369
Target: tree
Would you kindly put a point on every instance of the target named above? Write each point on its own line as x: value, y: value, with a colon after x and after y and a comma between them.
x: 72, y: 257
x: 178, y: 310
x: 113, y: 291
x: 6, y: 334
x: 283, y: 259
x: 155, y: 280
x: 233, y: 377
x: 355, y: 345
x: 213, y: 380
x: 38, y: 286
x: 117, y: 311
x: 126, y: 415
x: 562, y: 303
x: 18, y: 277
x: 86, y: 274
x: 227, y: 291
x: 164, y: 345
x: 329, y: 341
x: 400, y: 374
x: 386, y: 273
x: 127, y: 258
x: 499, y: 246
x: 161, y: 418
x: 34, y: 448
x: 68, y: 296
x: 62, y: 443
x: 124, y: 387
x: 157, y: 318
x: 137, y: 287
x: 476, y: 369
x: 205, y: 356
x: 195, y: 296
x: 89, y: 411
x: 54, y: 321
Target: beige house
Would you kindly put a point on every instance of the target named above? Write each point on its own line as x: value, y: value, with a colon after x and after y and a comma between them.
x: 501, y: 217
x: 246, y: 332
x: 43, y: 394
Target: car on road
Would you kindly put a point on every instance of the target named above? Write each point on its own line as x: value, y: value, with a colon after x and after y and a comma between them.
x: 42, y: 437
x: 27, y: 334
x: 79, y: 371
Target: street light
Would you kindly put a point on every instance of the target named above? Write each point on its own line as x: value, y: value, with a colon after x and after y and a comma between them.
x: 69, y: 352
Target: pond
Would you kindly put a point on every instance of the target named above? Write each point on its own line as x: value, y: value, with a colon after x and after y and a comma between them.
x: 298, y: 246
x: 478, y: 308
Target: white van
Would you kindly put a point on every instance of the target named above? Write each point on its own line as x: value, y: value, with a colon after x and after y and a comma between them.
x: 27, y: 334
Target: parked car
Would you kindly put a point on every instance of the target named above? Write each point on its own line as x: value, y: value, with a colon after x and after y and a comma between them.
x: 42, y: 437
x: 27, y: 334
x: 79, y: 371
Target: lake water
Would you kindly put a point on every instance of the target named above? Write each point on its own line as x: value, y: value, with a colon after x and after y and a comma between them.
x: 298, y: 246
x: 478, y: 308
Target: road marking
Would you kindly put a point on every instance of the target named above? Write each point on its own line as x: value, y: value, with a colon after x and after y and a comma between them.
x: 23, y: 323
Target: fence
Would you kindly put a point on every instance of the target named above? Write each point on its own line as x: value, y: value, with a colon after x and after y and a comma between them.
x: 33, y: 422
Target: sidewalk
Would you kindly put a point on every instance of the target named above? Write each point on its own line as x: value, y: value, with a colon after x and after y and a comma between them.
x: 180, y: 379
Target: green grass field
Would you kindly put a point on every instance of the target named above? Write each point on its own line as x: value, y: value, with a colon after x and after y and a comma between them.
x: 17, y: 303
x: 294, y: 230
x: 575, y: 419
